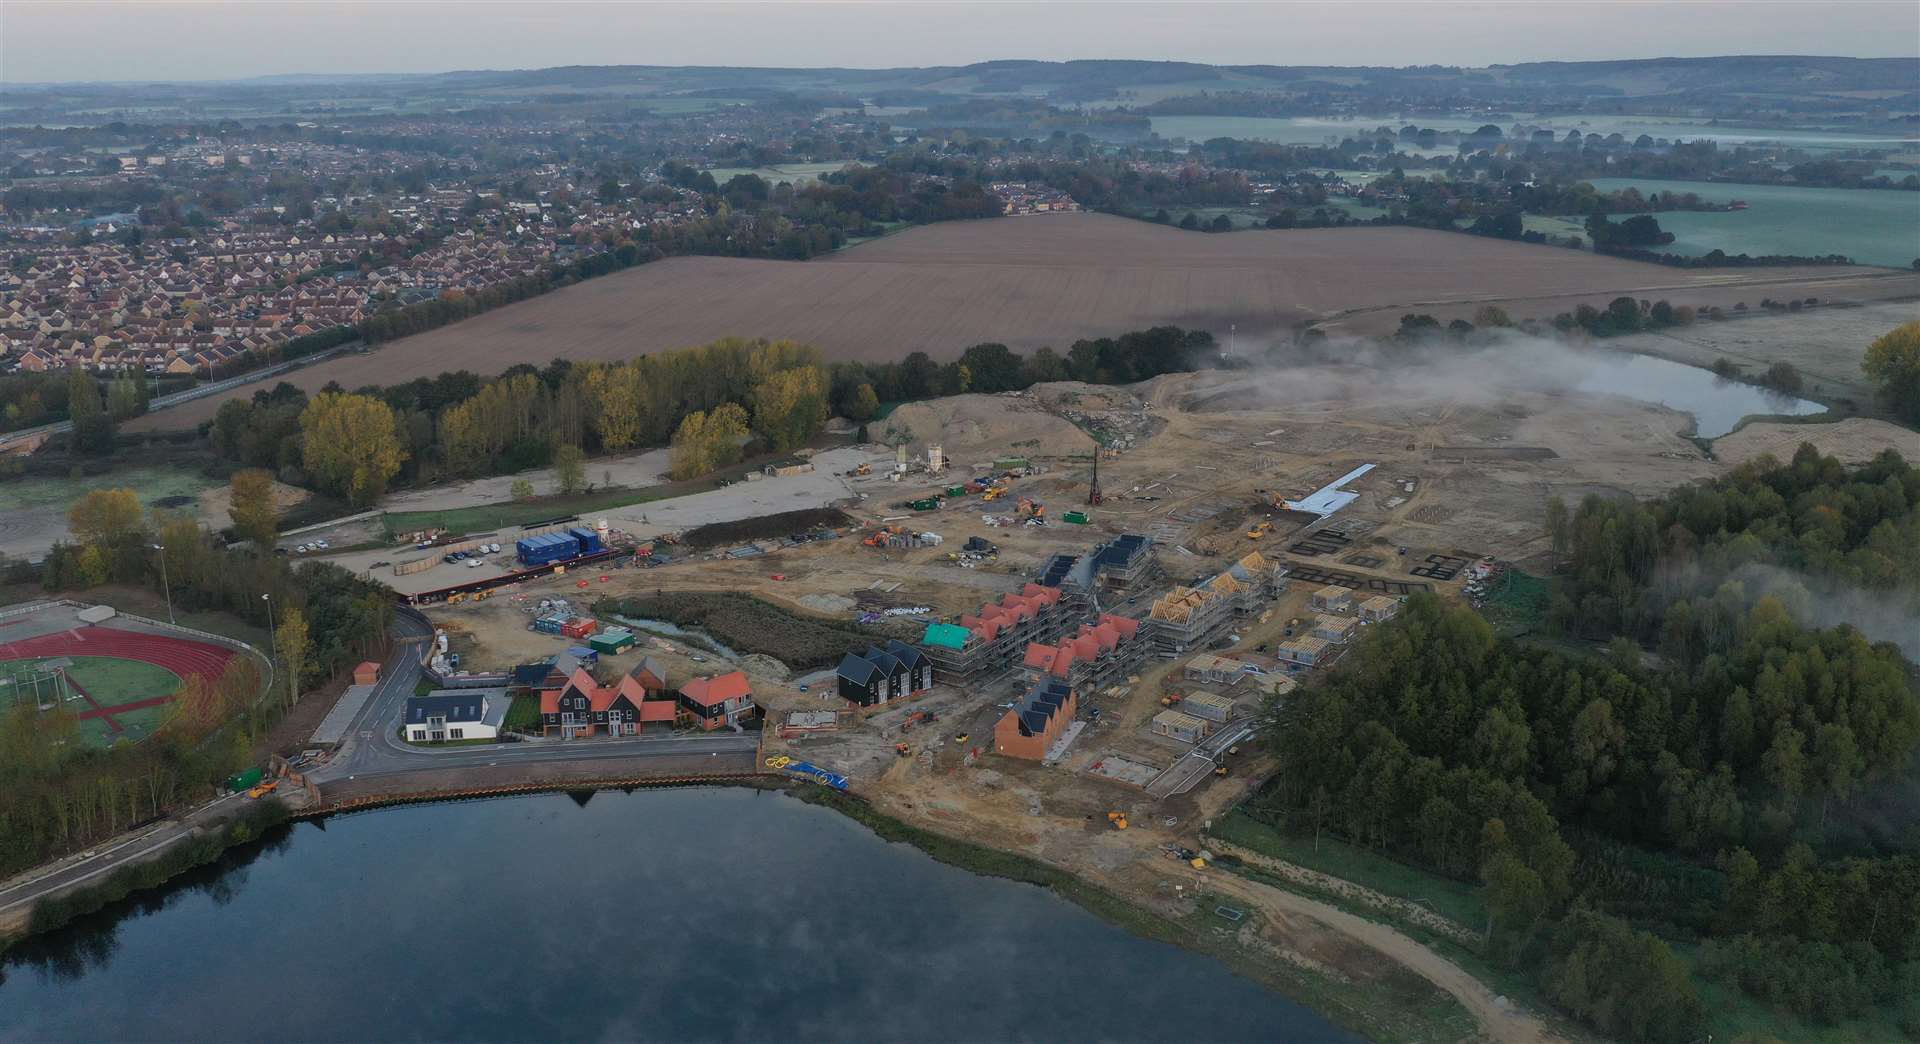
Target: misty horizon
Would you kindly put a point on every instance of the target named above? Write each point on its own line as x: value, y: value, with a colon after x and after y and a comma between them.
x: 78, y: 43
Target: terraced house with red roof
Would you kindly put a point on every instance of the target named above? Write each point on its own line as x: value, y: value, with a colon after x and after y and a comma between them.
x: 1100, y: 654
x: 584, y: 707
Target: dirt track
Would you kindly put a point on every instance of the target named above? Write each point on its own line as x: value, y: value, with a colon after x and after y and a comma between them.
x: 1052, y: 280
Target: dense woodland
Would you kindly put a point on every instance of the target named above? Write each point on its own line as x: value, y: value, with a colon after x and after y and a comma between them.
x: 1612, y: 800
x: 1652, y: 570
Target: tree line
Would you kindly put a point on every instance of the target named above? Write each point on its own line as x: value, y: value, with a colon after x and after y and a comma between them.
x: 712, y: 404
x: 58, y: 793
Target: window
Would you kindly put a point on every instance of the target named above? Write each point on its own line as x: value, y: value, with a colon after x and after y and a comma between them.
x: 457, y: 733
x: 437, y: 736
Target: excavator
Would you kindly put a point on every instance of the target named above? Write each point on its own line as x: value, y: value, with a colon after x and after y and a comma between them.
x: 1260, y: 529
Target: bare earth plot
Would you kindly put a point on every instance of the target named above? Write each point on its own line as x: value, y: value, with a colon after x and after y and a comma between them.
x: 1855, y: 440
x: 1051, y: 280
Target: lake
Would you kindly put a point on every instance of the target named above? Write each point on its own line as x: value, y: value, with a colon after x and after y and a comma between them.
x: 691, y: 914
x: 1321, y: 130
x: 1872, y: 226
x: 1717, y: 404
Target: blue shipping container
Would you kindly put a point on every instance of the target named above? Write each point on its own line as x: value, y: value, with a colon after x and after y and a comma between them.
x: 547, y: 548
x: 588, y: 539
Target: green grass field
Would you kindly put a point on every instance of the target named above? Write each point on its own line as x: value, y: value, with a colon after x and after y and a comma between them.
x: 1453, y: 899
x: 111, y: 680
x: 493, y: 516
x: 152, y: 484
x: 797, y: 173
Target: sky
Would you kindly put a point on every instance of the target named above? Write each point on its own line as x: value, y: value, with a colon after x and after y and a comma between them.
x: 76, y: 40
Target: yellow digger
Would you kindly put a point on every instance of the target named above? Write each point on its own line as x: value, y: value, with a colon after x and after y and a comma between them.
x: 1260, y: 529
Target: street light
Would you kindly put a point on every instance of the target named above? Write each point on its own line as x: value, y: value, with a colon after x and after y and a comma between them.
x: 165, y: 584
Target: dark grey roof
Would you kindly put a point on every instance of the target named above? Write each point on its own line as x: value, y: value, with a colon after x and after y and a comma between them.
x: 857, y: 669
x: 882, y: 659
x: 1040, y: 704
x: 905, y: 653
x: 455, y: 706
x: 649, y: 665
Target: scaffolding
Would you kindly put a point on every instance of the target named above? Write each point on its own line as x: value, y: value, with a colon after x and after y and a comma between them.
x: 982, y: 648
x: 1120, y: 567
x: 1099, y: 655
x: 1191, y: 617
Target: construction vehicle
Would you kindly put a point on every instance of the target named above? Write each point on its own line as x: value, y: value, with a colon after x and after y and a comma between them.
x: 261, y: 790
x: 1031, y: 508
x: 1260, y: 529
x: 1118, y: 819
x: 902, y: 749
x: 1220, y: 770
x: 916, y: 718
x: 864, y: 469
x: 1170, y: 699
x: 993, y: 493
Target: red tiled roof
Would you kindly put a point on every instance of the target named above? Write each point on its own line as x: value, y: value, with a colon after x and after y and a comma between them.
x: 1038, y: 655
x: 657, y: 710
x: 710, y: 691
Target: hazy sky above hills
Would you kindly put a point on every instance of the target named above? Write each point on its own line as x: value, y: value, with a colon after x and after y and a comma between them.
x: 66, y: 40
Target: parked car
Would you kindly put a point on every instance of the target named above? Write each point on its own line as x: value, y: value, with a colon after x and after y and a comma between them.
x: 423, y: 545
x: 472, y: 562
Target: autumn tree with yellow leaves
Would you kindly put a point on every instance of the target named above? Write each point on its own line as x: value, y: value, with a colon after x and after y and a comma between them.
x: 708, y: 441
x: 350, y: 444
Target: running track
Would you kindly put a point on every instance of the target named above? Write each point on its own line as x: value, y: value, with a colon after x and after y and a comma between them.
x: 182, y: 656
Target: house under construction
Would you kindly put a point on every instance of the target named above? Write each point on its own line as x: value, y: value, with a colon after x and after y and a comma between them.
x: 984, y: 647
x: 1121, y: 566
x: 1101, y: 654
x: 1188, y: 618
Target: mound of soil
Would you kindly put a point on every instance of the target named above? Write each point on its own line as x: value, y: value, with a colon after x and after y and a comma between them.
x: 786, y: 523
x: 975, y: 428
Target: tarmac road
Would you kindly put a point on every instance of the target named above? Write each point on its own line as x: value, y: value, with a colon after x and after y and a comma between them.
x: 373, y: 749
x: 373, y: 746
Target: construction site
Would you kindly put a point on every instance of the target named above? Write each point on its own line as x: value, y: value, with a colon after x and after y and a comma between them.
x: 1109, y: 586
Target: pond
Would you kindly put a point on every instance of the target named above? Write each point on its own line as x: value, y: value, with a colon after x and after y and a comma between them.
x: 693, y: 914
x: 1717, y: 404
x: 1872, y: 226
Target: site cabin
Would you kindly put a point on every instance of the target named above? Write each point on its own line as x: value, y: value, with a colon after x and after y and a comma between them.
x: 1331, y: 599
x: 367, y: 673
x: 1209, y: 706
x: 1305, y: 650
x: 1036, y: 721
x: 455, y: 714
x: 1379, y: 609
x: 1179, y: 725
x: 1337, y: 630
x: 724, y: 700
x: 1220, y: 670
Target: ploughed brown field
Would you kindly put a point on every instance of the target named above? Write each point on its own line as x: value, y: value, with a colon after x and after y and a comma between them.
x: 1051, y: 280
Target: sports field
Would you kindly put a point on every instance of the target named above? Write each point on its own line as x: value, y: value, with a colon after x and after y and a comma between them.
x: 118, y: 682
